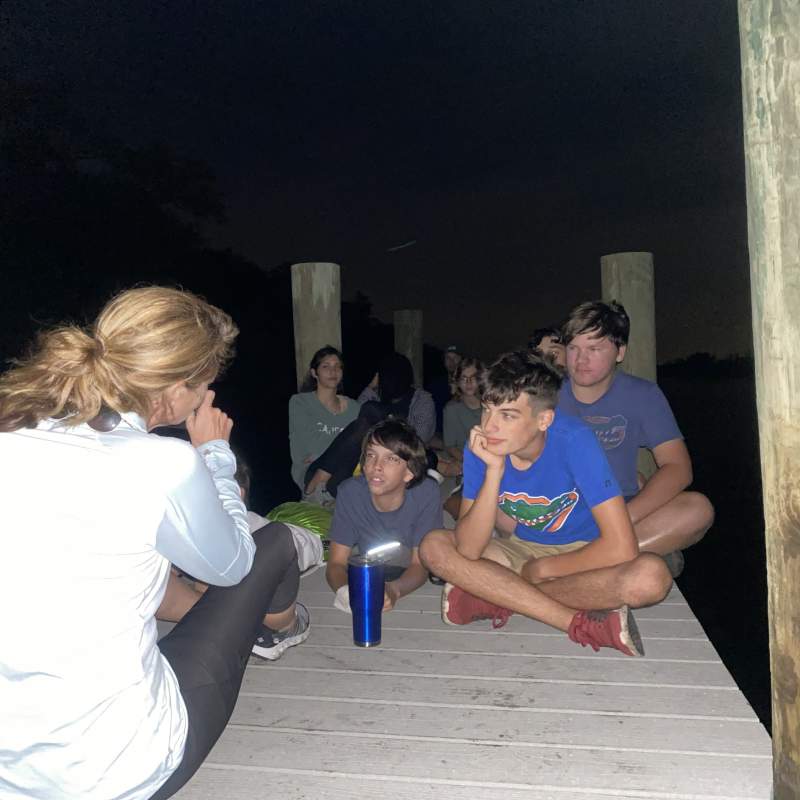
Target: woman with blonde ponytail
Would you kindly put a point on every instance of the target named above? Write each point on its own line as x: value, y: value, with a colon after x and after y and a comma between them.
x: 94, y: 512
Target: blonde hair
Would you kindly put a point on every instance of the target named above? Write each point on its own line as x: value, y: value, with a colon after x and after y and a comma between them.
x: 143, y: 341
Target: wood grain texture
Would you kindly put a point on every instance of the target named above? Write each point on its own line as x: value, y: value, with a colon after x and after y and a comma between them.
x: 498, y: 715
x: 770, y: 48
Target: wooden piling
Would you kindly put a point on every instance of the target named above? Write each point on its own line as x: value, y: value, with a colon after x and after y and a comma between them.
x: 769, y: 33
x: 317, y: 311
x: 408, y: 339
x: 629, y: 279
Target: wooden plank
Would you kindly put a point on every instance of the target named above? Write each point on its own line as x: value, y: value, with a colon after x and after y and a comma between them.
x: 479, y: 637
x: 538, y: 728
x: 529, y: 667
x: 231, y: 782
x: 434, y: 759
x: 448, y: 690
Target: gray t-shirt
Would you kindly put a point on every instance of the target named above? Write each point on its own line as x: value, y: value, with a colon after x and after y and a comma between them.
x: 312, y: 427
x: 357, y: 523
x: 458, y: 420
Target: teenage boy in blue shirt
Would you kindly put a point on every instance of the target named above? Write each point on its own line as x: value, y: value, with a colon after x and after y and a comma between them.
x: 541, y: 477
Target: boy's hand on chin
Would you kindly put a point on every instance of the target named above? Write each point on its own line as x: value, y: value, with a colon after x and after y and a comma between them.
x: 477, y: 444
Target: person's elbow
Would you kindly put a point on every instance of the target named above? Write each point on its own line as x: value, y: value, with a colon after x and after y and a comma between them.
x: 240, y: 565
x: 627, y: 550
x: 467, y: 548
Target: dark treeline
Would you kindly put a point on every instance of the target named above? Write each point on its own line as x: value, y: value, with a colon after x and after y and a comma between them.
x: 83, y: 216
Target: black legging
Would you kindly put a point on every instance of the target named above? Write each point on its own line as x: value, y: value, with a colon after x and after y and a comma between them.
x: 209, y: 648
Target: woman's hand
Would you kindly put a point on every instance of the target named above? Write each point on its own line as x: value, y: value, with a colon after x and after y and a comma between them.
x: 207, y: 423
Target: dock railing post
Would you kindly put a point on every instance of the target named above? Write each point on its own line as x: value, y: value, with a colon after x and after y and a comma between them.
x: 769, y: 32
x: 408, y: 339
x: 629, y: 279
x: 316, y: 310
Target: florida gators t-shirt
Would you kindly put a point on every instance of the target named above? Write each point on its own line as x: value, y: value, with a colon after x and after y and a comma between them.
x: 551, y: 501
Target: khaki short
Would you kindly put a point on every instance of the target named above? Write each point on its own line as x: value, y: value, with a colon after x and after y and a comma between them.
x: 513, y: 552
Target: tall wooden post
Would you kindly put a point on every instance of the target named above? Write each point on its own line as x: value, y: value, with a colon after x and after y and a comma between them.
x: 770, y: 44
x: 628, y: 278
x: 317, y: 311
x: 408, y: 339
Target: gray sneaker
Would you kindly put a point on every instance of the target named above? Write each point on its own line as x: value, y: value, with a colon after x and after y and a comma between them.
x: 674, y: 562
x: 271, y: 644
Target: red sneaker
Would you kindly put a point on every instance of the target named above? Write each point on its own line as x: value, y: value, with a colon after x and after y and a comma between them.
x: 460, y: 608
x: 615, y: 629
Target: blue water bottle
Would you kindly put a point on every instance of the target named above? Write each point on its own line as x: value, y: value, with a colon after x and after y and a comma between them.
x: 365, y: 581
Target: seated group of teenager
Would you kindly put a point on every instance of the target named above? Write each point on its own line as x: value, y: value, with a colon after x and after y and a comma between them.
x: 552, y: 521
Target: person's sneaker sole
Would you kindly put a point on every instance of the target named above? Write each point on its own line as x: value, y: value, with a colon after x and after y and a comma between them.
x: 448, y: 587
x: 277, y: 650
x: 629, y: 632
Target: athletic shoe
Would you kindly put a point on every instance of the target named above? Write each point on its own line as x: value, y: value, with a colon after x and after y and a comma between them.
x: 674, y: 562
x: 615, y: 629
x: 271, y: 644
x: 460, y: 608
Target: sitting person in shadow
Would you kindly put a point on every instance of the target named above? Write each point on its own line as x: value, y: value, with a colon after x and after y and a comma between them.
x: 396, y: 397
x: 392, y: 500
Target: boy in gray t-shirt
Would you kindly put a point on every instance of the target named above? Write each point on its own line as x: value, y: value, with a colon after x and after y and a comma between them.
x: 392, y: 500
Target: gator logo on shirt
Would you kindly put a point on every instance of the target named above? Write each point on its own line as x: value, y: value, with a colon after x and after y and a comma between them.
x: 610, y: 431
x: 539, y: 513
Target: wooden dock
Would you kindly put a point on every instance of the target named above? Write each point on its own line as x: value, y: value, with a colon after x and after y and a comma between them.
x: 475, y: 714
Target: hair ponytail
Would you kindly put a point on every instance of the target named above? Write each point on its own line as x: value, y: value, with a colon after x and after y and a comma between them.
x: 144, y: 341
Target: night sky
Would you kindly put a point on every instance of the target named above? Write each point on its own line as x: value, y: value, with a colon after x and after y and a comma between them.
x: 516, y: 142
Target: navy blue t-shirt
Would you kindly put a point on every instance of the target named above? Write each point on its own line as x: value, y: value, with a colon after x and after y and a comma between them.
x: 633, y: 413
x: 551, y: 501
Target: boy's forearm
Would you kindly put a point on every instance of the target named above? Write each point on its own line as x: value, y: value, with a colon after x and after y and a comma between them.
x: 595, y: 555
x: 474, y: 529
x: 411, y: 579
x: 336, y: 575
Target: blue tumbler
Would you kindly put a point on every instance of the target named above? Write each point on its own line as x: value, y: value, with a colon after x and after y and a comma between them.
x: 365, y: 581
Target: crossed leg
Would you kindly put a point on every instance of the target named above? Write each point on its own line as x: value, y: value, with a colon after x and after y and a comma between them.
x: 643, y: 581
x: 678, y: 524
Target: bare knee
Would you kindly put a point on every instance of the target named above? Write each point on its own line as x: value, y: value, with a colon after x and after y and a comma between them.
x: 435, y: 549
x: 702, y: 514
x: 647, y: 581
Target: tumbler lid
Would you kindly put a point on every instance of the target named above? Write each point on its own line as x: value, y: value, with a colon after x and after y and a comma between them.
x: 375, y: 555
